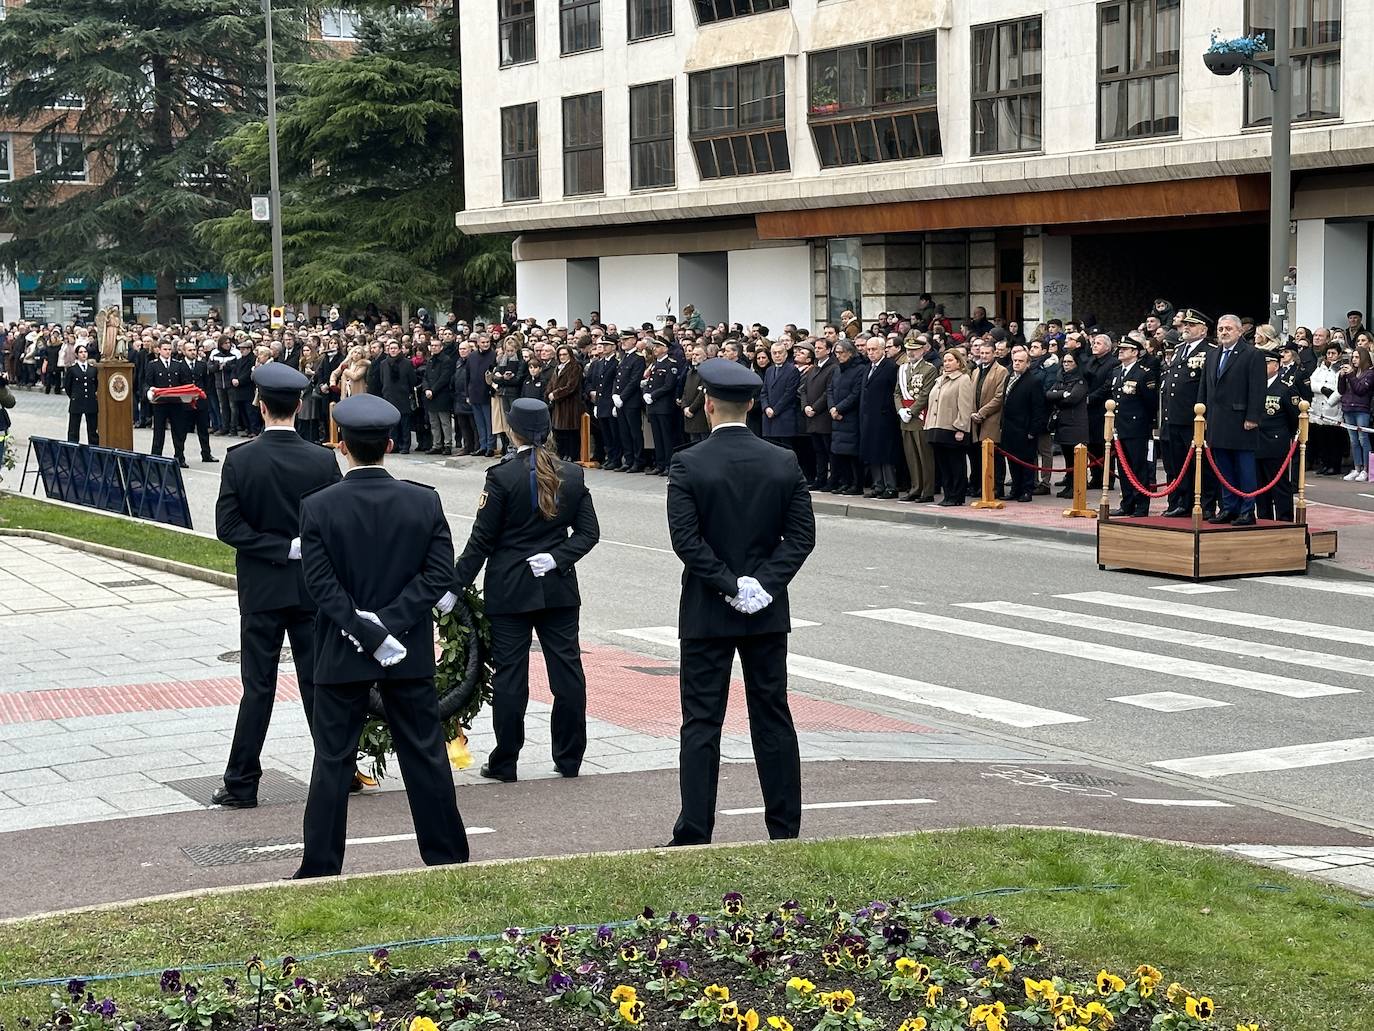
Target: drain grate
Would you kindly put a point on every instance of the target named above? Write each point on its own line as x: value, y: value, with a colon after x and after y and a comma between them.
x: 236, y: 655
x: 275, y: 788
x: 654, y: 671
x: 234, y: 853
x: 129, y: 583
x: 1088, y: 780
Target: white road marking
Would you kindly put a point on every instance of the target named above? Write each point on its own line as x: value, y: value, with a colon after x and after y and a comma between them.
x: 1261, y: 760
x: 1193, y: 589
x: 1182, y: 803
x: 854, y: 678
x: 381, y: 839
x: 1169, y: 701
x: 1189, y: 638
x: 1227, y: 617
x: 871, y: 803
x: 1072, y: 647
x: 1327, y: 586
x: 604, y: 540
x: 798, y: 624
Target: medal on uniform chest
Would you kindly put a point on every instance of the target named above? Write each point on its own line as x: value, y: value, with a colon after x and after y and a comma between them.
x: 1128, y: 387
x: 1272, y: 405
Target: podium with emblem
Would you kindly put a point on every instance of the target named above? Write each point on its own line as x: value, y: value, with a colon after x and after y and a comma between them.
x: 116, y: 418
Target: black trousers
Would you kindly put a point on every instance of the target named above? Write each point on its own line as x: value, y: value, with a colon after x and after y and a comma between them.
x: 199, y: 416
x: 1022, y: 479
x: 260, y: 640
x: 228, y: 416
x: 465, y: 431
x: 820, y: 448
x: 1175, y: 442
x: 1136, y: 450
x: 662, y: 426
x: 951, y: 471
x: 169, y: 414
x: 1277, y: 502
x: 412, y: 710
x: 631, y: 435
x: 611, y: 450
x: 74, y: 428
x: 569, y: 444
x: 705, y: 689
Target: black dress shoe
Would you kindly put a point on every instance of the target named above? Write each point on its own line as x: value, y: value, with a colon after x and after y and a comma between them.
x: 1222, y: 517
x: 490, y: 774
x: 1176, y: 512
x: 1043, y: 490
x: 925, y: 499
x: 222, y: 797
x: 183, y: 463
x: 209, y: 458
x: 1024, y: 498
x: 1246, y: 520
x: 568, y: 774
x: 1121, y: 513
x: 1065, y: 493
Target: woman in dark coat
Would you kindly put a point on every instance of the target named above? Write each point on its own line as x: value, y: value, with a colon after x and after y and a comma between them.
x: 762, y: 362
x: 1068, y: 399
x: 565, y: 403
x: 846, y: 387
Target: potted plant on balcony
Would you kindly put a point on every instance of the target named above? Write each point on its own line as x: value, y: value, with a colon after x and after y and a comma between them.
x: 1227, y: 56
x: 823, y: 100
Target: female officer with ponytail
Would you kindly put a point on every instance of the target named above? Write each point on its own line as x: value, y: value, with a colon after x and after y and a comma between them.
x: 534, y: 521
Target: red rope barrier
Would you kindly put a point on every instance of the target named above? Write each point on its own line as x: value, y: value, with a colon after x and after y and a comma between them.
x: 1130, y: 473
x: 1043, y: 469
x: 1283, y: 471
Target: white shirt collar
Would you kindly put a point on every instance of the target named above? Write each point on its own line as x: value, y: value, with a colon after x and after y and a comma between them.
x: 723, y: 425
x: 284, y: 429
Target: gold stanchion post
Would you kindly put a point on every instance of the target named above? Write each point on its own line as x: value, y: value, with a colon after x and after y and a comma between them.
x: 586, y: 452
x: 1104, y: 507
x: 1304, y: 425
x: 989, y: 458
x: 1199, y: 437
x: 1080, y: 509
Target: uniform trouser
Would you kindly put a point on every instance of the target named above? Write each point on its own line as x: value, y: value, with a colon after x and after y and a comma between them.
x: 952, y: 462
x: 400, y: 434
x: 143, y: 408
x: 74, y: 428
x: 1022, y: 479
x: 820, y: 449
x: 1136, y: 450
x: 199, y: 416
x: 1175, y: 442
x: 412, y: 711
x: 631, y: 434
x: 1238, y: 469
x: 1277, y: 502
x: 441, y: 428
x: 920, y: 461
x: 163, y: 415
x: 705, y: 689
x: 260, y: 640
x: 1044, y: 453
x: 510, y: 686
x: 465, y: 431
x: 611, y: 453
x: 481, y: 414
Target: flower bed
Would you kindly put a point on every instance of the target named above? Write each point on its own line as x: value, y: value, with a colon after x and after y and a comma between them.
x: 888, y: 966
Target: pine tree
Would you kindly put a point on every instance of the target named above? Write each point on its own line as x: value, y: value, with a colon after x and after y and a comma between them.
x: 149, y: 86
x: 370, y: 150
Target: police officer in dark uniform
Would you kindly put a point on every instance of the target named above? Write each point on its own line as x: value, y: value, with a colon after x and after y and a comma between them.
x: 739, y: 514
x: 377, y: 557
x: 167, y: 370
x: 258, y: 515
x: 1135, y: 389
x: 199, y: 415
x: 627, y: 402
x: 535, y: 520
x: 1179, y: 383
x: 660, y: 398
x: 1277, y: 428
x: 82, y: 387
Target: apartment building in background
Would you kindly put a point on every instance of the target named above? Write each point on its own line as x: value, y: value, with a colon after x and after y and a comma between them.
x: 783, y: 160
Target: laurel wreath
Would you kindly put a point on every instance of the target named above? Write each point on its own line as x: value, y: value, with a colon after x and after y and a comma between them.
x: 462, y: 678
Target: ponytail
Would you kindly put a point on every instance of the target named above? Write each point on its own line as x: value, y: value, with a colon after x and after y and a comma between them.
x: 549, y: 478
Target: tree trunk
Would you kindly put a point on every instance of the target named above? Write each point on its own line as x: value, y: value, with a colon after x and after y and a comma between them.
x: 168, y: 310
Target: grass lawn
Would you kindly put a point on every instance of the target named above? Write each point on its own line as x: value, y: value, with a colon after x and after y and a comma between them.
x: 1292, y: 959
x: 140, y: 538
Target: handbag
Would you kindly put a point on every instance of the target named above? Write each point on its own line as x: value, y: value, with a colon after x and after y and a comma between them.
x: 6, y: 396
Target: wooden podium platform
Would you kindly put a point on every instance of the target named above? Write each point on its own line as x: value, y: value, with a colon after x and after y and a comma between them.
x: 1173, y: 547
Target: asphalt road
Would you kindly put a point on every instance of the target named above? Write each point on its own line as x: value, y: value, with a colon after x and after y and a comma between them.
x: 1008, y: 639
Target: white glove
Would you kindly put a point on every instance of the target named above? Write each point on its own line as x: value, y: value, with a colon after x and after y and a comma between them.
x: 648, y: 398
x: 751, y: 598
x: 389, y: 652
x: 542, y: 563
x: 904, y: 415
x: 616, y: 402
x: 447, y: 602
x: 295, y: 553
x: 150, y: 393
x: 371, y: 617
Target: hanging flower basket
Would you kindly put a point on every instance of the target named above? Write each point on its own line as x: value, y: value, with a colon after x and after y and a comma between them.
x: 1227, y: 56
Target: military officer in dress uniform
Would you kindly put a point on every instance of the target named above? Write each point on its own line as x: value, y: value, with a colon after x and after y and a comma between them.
x: 739, y: 514
x: 1180, y: 382
x: 82, y: 387
x: 915, y: 380
x: 167, y: 370
x: 1135, y: 389
x: 199, y: 416
x: 258, y: 515
x: 535, y: 520
x: 1278, y: 426
x: 377, y: 557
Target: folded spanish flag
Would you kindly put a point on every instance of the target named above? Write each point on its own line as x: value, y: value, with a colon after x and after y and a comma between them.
x: 188, y: 394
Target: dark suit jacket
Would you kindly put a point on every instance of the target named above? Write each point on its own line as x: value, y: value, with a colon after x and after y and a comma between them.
x: 1279, y: 424
x: 175, y: 374
x: 510, y: 529
x: 1233, y: 396
x: 780, y: 386
x: 382, y: 545
x: 879, y: 442
x: 258, y: 514
x: 1024, y: 411
x: 627, y: 376
x: 1137, y: 400
x: 1180, y: 382
x: 82, y: 388
x: 737, y: 506
x: 662, y: 387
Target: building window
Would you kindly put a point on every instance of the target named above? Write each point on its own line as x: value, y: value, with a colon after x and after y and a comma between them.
x: 650, y: 18
x: 6, y: 169
x: 583, y: 153
x: 719, y: 10
x: 62, y: 155
x: 738, y: 119
x: 843, y: 277
x: 1315, y: 57
x: 1137, y: 69
x: 579, y: 25
x: 338, y: 23
x: 874, y: 102
x: 651, y: 136
x: 1007, y: 63
x: 516, y: 29
x: 520, y: 152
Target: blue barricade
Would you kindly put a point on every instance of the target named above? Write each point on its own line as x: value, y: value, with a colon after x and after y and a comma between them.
x: 142, y: 486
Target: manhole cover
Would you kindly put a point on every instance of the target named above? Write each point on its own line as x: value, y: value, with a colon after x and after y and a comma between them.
x: 1089, y: 780
x: 232, y: 853
x: 130, y: 583
x: 235, y: 656
x: 654, y: 671
x: 275, y: 788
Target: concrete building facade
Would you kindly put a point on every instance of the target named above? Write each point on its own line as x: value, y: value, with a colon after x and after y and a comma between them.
x: 781, y: 160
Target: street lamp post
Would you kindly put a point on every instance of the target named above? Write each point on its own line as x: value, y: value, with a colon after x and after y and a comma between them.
x: 274, y: 179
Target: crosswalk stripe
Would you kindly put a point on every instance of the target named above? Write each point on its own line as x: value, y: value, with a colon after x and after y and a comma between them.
x: 808, y: 806
x: 1182, y: 803
x: 1326, y: 586
x: 1069, y: 647
x: 1188, y: 638
x: 1227, y: 617
x: 854, y: 678
x: 1169, y: 701
x: 1261, y: 760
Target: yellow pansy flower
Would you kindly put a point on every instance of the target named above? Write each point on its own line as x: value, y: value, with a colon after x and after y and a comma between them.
x: 1063, y: 1004
x: 729, y: 1012
x: 747, y: 1021
x: 631, y: 1011
x: 1145, y: 970
x: 913, y: 1024
x: 1198, y: 1009
x: 423, y: 1024
x: 933, y: 994
x: 838, y: 1002
x: 1108, y: 983
x: 1037, y: 990
x: 780, y: 1024
x: 905, y: 965
x: 1247, y: 1027
x: 624, y: 993
x: 1174, y: 991
x: 1000, y: 964
x: 717, y: 993
x: 802, y: 985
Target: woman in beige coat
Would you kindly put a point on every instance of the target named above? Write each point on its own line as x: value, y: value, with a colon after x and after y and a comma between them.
x: 948, y: 420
